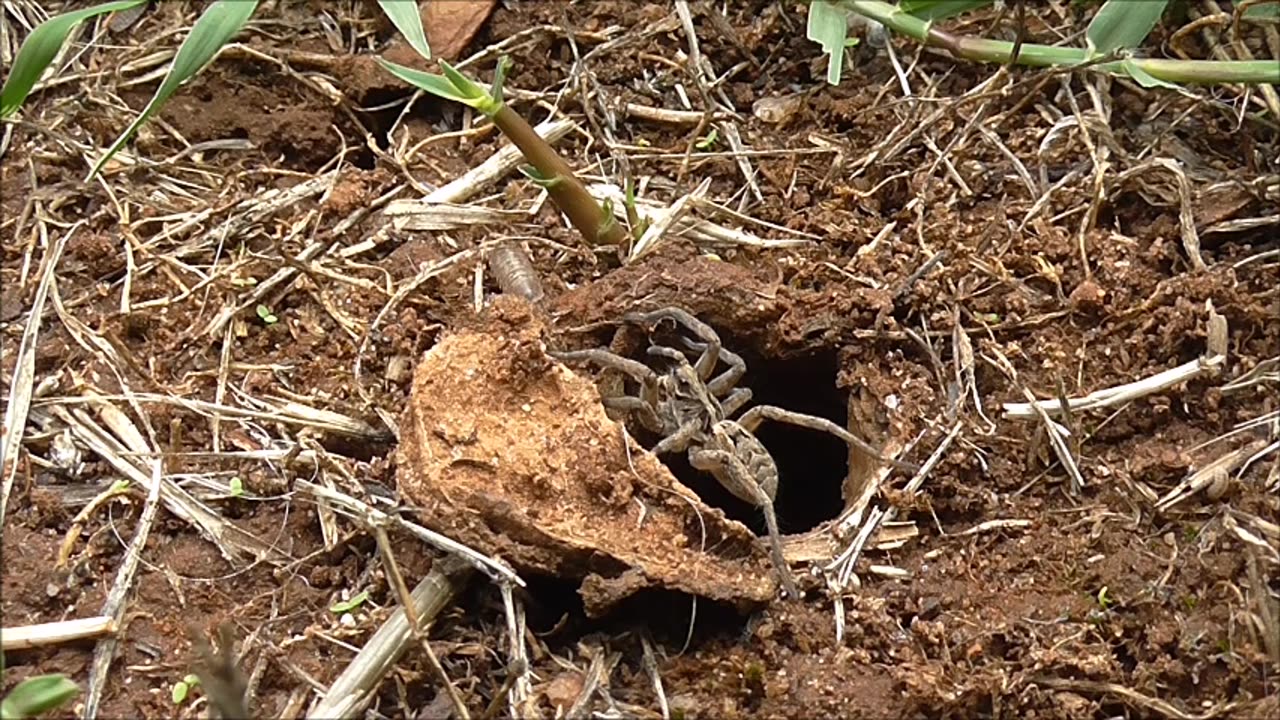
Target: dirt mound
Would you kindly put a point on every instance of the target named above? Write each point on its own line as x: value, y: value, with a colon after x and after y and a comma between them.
x: 509, y: 451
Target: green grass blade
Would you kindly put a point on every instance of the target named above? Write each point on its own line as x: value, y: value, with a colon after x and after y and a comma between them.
x: 1144, y: 78
x: 37, y: 695
x: 1265, y: 10
x: 42, y: 46
x: 437, y: 85
x: 1123, y: 24
x: 405, y: 16
x: 828, y: 26
x: 481, y: 99
x: 940, y: 9
x: 215, y: 28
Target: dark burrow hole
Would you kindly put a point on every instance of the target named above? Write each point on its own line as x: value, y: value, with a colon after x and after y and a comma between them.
x: 811, y: 464
x: 555, y: 613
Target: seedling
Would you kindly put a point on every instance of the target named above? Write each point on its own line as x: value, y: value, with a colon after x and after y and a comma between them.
x: 36, y: 695
x: 1105, y: 601
x: 183, y: 687
x: 236, y: 487
x: 707, y: 142
x: 347, y: 606
x: 546, y: 168
x: 266, y: 315
x: 1116, y: 28
x: 217, y: 25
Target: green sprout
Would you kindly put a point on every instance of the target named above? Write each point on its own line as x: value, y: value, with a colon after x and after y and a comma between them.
x: 36, y: 695
x: 546, y: 168
x: 347, y: 606
x: 1117, y: 27
x: 236, y: 487
x: 707, y: 142
x: 1105, y: 601
x: 266, y: 315
x: 638, y: 223
x: 217, y: 25
x: 183, y: 687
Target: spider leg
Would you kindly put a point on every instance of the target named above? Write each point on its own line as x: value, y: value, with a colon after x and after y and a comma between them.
x: 752, y: 418
x: 706, y: 363
x: 722, y: 383
x: 669, y: 353
x: 731, y: 473
x: 734, y: 402
x: 680, y: 439
x: 638, y: 371
x: 648, y: 416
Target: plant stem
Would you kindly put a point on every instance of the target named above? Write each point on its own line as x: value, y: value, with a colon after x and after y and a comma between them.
x: 999, y: 51
x: 567, y: 191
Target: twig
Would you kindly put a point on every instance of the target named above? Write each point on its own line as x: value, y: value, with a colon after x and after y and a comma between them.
x: 495, y: 569
x: 31, y: 636
x: 353, y: 690
x: 15, y: 414
x: 416, y: 627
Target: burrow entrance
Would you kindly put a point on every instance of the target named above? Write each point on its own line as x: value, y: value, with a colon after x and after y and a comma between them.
x: 812, y: 465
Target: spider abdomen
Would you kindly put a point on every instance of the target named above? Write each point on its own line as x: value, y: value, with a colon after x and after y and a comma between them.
x: 757, y: 460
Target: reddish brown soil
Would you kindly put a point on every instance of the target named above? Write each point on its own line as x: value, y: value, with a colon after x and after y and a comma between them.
x: 1096, y: 606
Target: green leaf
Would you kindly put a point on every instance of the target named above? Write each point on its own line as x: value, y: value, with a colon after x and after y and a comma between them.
x: 470, y: 94
x: 465, y: 85
x: 183, y: 687
x: 828, y: 26
x: 500, y: 77
x: 405, y: 16
x: 1263, y: 11
x: 37, y: 695
x: 1121, y: 24
x: 266, y: 315
x: 352, y: 604
x: 537, y: 178
x: 437, y: 85
x: 236, y: 486
x: 708, y: 141
x: 40, y: 48
x: 215, y: 28
x: 1144, y: 78
x: 940, y: 9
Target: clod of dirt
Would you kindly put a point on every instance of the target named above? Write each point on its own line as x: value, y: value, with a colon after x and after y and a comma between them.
x: 722, y: 294
x: 451, y: 25
x: 509, y: 451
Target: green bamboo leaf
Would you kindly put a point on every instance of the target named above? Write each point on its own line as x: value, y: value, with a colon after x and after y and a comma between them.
x: 437, y: 85
x: 405, y: 16
x: 1144, y: 78
x: 828, y: 25
x: 940, y: 9
x: 485, y: 102
x: 500, y: 77
x: 537, y: 178
x: 214, y: 29
x: 40, y: 48
x: 1263, y: 11
x: 37, y: 695
x: 1121, y: 24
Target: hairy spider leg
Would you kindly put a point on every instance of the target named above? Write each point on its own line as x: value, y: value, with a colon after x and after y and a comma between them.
x: 706, y: 363
x: 643, y: 406
x: 732, y: 472
x: 752, y: 418
x: 722, y: 383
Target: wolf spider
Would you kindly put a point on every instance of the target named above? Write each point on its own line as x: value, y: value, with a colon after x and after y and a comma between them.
x: 691, y: 410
